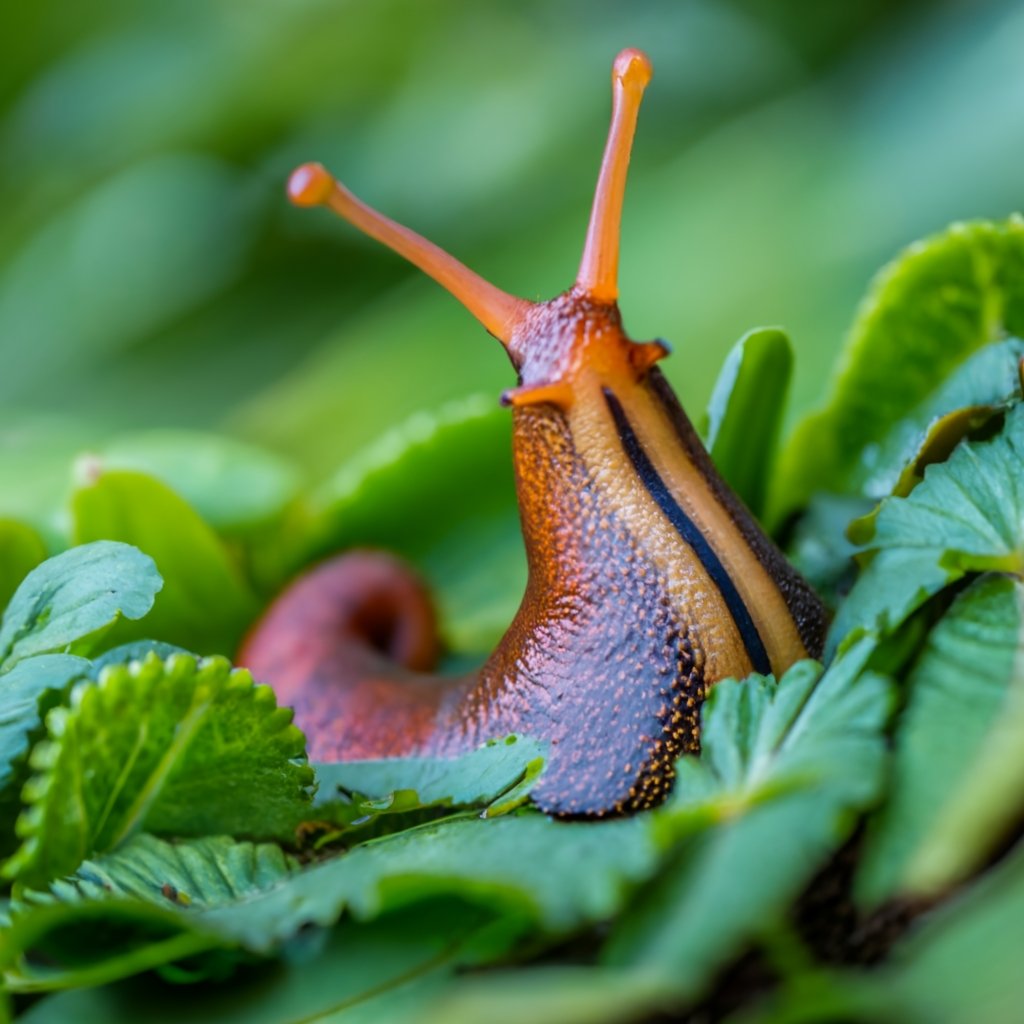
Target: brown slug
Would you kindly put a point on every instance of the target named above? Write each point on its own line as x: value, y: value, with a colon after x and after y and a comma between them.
x: 648, y: 579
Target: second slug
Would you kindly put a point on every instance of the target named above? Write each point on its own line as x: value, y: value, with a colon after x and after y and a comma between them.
x: 648, y: 579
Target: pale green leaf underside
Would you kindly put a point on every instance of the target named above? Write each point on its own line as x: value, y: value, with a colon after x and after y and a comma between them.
x: 175, y: 748
x: 30, y: 682
x: 74, y: 595
x: 501, y: 773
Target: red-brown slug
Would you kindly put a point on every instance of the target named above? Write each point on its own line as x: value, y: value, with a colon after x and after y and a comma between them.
x: 648, y: 579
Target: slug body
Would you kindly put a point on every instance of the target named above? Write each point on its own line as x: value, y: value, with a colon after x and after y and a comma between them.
x: 648, y: 579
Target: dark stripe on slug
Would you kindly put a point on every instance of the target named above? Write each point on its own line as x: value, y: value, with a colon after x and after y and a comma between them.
x: 686, y: 529
x: 807, y: 611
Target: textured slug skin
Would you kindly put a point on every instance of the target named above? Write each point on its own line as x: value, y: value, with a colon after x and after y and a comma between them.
x: 648, y: 582
x: 648, y: 579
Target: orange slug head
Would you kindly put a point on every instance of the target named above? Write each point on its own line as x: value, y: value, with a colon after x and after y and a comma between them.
x: 572, y: 341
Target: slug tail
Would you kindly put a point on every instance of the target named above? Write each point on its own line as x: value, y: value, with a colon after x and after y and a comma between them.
x: 349, y: 646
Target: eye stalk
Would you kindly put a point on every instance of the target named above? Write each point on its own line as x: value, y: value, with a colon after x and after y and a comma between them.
x: 598, y: 275
x: 499, y: 312
x: 548, y: 342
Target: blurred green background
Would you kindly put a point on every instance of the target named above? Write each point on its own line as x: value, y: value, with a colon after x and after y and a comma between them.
x: 152, y: 274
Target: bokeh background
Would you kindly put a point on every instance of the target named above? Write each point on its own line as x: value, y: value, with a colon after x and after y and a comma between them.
x: 152, y: 274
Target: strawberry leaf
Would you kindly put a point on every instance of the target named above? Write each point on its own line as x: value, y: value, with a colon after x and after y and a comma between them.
x: 499, y: 776
x: 27, y: 693
x: 154, y: 890
x: 179, y: 748
x: 958, y: 767
x: 74, y: 595
x: 935, y: 305
x: 784, y: 771
x: 967, y: 515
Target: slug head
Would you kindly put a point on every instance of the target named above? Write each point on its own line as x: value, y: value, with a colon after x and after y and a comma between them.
x: 571, y: 342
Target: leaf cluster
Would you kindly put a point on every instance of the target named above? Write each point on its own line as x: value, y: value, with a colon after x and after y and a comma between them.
x: 163, y: 833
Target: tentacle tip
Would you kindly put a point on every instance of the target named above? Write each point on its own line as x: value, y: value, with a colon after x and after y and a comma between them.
x: 310, y: 185
x: 645, y: 354
x: 557, y: 393
x: 632, y: 67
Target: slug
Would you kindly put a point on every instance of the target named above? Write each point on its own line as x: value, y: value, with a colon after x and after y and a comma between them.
x: 648, y: 579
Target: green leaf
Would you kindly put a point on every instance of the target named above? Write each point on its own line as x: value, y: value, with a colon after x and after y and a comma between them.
x: 987, y: 383
x: 962, y: 964
x: 966, y: 515
x: 501, y: 774
x: 561, y: 994
x: 193, y: 874
x: 73, y: 595
x: 959, y: 964
x: 439, y: 490
x: 21, y: 550
x: 958, y: 771
x: 820, y: 548
x: 525, y: 867
x: 935, y: 305
x: 784, y: 770
x: 152, y: 889
x: 745, y: 412
x: 176, y: 748
x: 136, y: 650
x: 234, y: 487
x: 386, y: 970
x: 205, y: 606
x: 523, y: 864
x: 27, y: 693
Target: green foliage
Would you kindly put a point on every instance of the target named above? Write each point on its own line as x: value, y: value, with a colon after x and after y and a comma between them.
x: 383, y: 970
x: 784, y: 770
x: 933, y: 307
x: 498, y: 776
x: 967, y: 515
x: 27, y: 690
x: 955, y: 787
x: 73, y: 597
x: 745, y: 412
x: 21, y: 550
x: 205, y: 605
x: 174, y: 748
x: 154, y: 890
x: 234, y: 487
x: 150, y: 284
x: 986, y: 384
